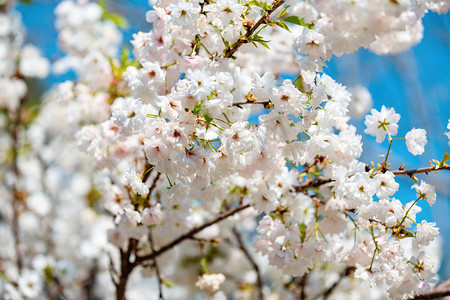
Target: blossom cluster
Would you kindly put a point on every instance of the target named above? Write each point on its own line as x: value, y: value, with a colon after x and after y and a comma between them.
x: 203, y: 124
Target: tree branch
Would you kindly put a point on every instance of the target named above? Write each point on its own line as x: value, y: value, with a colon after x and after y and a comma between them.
x: 348, y: 271
x: 190, y: 234
x: 158, y: 274
x: 420, y: 170
x: 126, y: 267
x: 242, y: 40
x: 18, y: 196
x: 263, y: 102
x: 439, y: 291
x: 311, y: 183
x: 259, y: 283
x: 301, y: 295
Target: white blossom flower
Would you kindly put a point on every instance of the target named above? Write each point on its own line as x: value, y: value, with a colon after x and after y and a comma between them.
x: 448, y: 133
x: 426, y: 232
x: 425, y: 191
x: 361, y: 101
x: 32, y: 64
x: 380, y: 123
x: 135, y: 182
x: 416, y: 139
x: 184, y: 13
x: 30, y: 284
x: 210, y: 282
x: 385, y: 185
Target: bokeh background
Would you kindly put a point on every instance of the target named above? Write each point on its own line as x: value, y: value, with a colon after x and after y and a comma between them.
x: 416, y: 83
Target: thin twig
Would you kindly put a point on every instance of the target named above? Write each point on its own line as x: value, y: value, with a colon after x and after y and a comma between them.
x: 420, y: 170
x: 245, y: 39
x: 259, y: 283
x: 264, y: 102
x: 190, y: 234
x: 152, y: 187
x: 348, y: 271
x: 155, y: 263
x: 311, y: 183
x: 112, y: 271
x: 17, y: 195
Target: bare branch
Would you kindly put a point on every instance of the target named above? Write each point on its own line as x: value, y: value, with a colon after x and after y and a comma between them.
x: 158, y: 274
x: 18, y: 196
x: 420, y: 170
x: 126, y: 267
x: 242, y: 40
x: 312, y: 183
x: 302, y: 294
x: 190, y: 234
x: 259, y: 283
x: 263, y: 102
x: 348, y: 271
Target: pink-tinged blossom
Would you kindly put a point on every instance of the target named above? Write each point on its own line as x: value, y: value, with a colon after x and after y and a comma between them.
x: 380, y: 123
x: 152, y: 215
x: 416, y: 139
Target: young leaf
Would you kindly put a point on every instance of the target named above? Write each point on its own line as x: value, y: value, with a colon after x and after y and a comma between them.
x: 296, y: 20
x: 444, y: 159
x: 197, y: 108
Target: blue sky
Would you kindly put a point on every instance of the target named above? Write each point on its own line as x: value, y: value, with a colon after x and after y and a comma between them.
x: 416, y: 83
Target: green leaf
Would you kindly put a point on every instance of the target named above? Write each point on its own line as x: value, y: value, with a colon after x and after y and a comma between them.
x: 198, y: 108
x: 281, y: 24
x: 444, y: 159
x: 302, y: 228
x: 207, y: 118
x: 297, y: 21
x: 167, y: 283
x: 261, y: 4
x: 282, y: 13
x: 258, y: 39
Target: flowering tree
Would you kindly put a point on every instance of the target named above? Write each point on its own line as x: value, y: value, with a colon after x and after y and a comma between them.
x: 203, y: 171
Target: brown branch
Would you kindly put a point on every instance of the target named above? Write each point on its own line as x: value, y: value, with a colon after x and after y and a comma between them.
x: 348, y: 271
x: 190, y: 234
x: 126, y: 267
x: 259, y: 283
x: 420, y: 170
x: 311, y: 183
x: 442, y: 290
x: 245, y: 39
x: 18, y: 196
x: 319, y: 182
x: 152, y: 187
x: 303, y: 281
x: 155, y: 263
x: 263, y: 102
x: 89, y: 284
